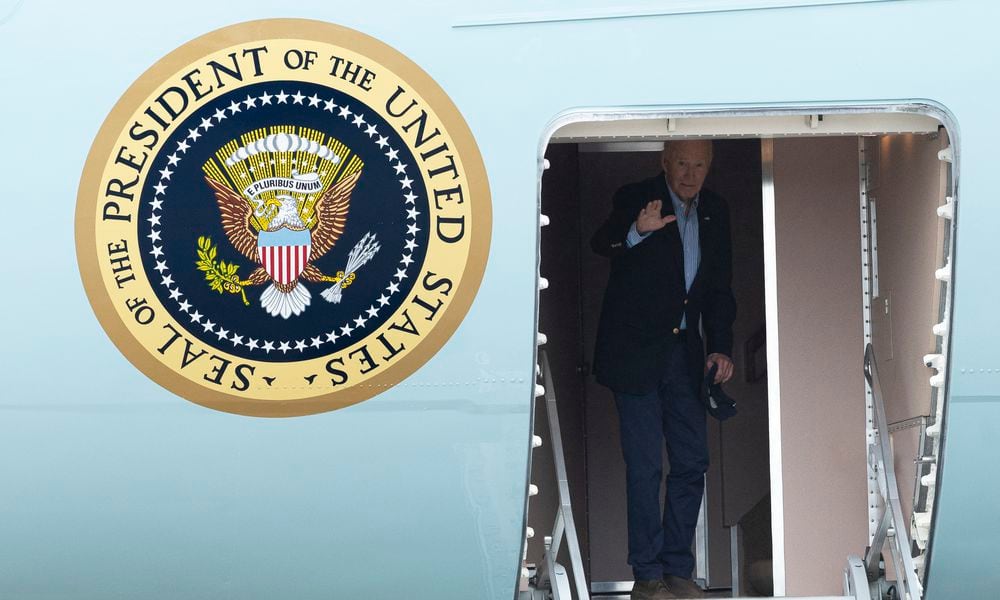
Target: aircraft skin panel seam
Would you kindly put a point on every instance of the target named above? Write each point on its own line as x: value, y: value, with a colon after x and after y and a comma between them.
x: 690, y: 7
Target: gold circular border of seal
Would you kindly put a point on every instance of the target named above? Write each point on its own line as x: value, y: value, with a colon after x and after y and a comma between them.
x: 467, y: 285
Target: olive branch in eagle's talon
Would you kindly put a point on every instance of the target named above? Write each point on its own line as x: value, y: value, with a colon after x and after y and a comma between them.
x: 221, y: 275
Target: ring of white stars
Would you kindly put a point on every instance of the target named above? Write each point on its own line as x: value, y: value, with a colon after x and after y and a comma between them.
x: 350, y: 326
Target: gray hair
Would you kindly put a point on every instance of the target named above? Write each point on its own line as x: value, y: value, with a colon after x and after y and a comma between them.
x: 669, y: 144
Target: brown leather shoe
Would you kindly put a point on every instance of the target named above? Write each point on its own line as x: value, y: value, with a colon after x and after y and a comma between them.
x: 650, y: 590
x: 678, y: 587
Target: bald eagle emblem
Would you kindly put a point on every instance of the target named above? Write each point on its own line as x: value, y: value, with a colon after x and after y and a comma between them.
x: 295, y: 192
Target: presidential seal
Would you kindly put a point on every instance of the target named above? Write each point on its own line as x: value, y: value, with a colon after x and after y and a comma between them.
x: 282, y: 218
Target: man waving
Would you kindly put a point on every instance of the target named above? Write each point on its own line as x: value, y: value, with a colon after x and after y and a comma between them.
x: 671, y: 267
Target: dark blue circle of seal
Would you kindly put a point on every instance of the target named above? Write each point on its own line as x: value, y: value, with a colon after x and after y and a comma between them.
x: 178, y: 207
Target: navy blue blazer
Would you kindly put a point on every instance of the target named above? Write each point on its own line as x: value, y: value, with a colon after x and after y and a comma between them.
x: 646, y: 296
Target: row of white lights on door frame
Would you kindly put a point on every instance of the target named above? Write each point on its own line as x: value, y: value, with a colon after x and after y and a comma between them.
x: 921, y: 521
x: 536, y: 441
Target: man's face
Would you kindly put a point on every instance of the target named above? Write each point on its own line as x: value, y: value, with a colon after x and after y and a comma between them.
x: 686, y: 164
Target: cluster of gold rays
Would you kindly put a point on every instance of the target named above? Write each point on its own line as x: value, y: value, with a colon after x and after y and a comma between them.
x: 262, y: 165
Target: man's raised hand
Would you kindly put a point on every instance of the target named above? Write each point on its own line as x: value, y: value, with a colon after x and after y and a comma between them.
x: 649, y: 219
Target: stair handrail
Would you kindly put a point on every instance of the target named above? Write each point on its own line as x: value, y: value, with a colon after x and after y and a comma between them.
x: 565, y: 525
x: 891, y: 523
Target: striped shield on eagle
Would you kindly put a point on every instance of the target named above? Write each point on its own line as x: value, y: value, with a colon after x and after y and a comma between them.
x: 284, y: 254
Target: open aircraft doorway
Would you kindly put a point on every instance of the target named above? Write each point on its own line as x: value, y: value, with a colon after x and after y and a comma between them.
x: 841, y: 231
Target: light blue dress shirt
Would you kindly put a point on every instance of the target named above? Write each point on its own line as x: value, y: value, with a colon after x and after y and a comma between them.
x: 687, y: 225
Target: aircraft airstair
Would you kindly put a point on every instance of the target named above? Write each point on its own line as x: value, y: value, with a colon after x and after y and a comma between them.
x: 864, y: 577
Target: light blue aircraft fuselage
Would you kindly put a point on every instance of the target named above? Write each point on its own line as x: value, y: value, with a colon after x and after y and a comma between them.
x: 115, y: 488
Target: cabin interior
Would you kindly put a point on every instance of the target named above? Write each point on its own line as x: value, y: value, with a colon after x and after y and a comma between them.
x: 836, y: 240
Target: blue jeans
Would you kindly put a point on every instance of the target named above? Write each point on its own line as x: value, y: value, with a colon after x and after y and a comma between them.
x: 659, y: 541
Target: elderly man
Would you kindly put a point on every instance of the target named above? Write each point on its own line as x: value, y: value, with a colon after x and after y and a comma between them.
x: 671, y: 266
